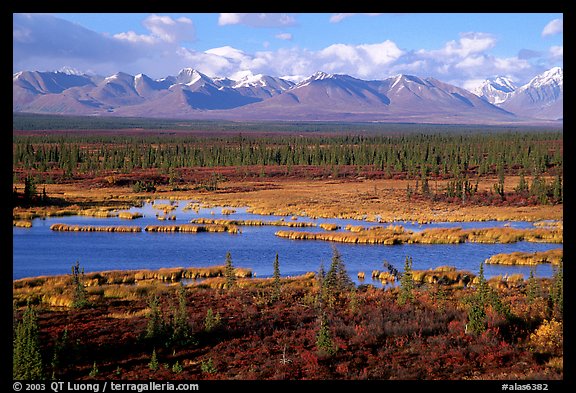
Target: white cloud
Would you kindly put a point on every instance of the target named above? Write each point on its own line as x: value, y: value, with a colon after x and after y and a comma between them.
x: 382, y: 53
x: 136, y: 38
x: 471, y: 62
x: 162, y: 29
x: 257, y: 19
x: 208, y: 63
x: 472, y: 84
x: 468, y: 44
x: 337, y: 18
x: 557, y: 51
x: 509, y: 65
x: 44, y: 42
x: 365, y: 60
x: 284, y: 36
x: 170, y: 30
x: 555, y: 26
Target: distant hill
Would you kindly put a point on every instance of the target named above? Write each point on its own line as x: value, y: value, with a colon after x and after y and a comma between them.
x: 320, y: 97
x: 541, y: 98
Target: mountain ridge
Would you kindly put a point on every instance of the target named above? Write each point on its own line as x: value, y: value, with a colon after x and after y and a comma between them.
x: 542, y: 97
x: 322, y: 96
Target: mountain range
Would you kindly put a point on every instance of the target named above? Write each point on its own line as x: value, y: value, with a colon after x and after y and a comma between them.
x: 322, y: 96
x: 542, y: 97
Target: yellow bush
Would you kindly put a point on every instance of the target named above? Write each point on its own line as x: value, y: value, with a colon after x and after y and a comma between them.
x: 548, y: 338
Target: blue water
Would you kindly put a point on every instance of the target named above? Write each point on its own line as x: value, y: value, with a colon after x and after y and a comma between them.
x: 40, y: 251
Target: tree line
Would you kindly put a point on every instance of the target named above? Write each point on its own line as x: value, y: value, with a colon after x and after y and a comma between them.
x: 443, y: 154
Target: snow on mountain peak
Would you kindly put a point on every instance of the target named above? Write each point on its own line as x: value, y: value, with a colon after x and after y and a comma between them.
x: 119, y: 76
x: 70, y: 71
x: 495, y: 90
x: 189, y: 76
x: 554, y: 76
x: 317, y: 76
x: 251, y: 80
x: 321, y: 75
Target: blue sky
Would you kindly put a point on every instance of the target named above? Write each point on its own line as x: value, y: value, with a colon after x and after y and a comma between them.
x: 457, y: 48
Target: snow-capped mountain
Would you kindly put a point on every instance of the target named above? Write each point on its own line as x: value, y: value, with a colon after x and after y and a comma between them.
x: 261, y: 86
x: 541, y: 98
x: 321, y: 96
x: 495, y: 91
x: 401, y: 98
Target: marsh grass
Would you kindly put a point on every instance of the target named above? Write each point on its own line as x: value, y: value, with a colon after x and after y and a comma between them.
x: 553, y: 257
x: 187, y: 228
x: 22, y: 223
x: 398, y: 235
x: 93, y: 228
x: 129, y: 215
x: 208, y: 221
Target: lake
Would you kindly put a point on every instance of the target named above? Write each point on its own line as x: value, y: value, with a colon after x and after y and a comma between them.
x: 40, y: 251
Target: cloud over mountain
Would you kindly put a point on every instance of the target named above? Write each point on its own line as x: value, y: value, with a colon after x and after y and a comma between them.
x: 166, y: 44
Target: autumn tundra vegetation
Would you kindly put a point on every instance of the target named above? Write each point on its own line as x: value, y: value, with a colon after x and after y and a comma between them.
x: 221, y: 322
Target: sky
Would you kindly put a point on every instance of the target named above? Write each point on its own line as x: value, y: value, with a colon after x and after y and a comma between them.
x: 458, y: 48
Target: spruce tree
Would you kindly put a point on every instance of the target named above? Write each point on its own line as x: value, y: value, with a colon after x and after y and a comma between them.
x: 155, y: 326
x: 406, y: 283
x: 180, y: 326
x: 324, y: 342
x: 276, y: 284
x: 79, y: 292
x: 229, y: 272
x: 337, y: 279
x: 27, y: 359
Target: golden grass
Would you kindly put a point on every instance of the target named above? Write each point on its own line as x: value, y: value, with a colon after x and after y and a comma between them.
x: 56, y: 291
x: 165, y: 207
x: 169, y: 217
x: 195, y: 206
x: 187, y: 228
x: 527, y: 258
x: 97, y: 213
x: 129, y: 215
x: 445, y: 275
x: 93, y: 228
x: 329, y: 227
x: 398, y: 235
x: 22, y: 223
x: 375, y: 200
x: 359, y: 200
x: 305, y: 280
x: 281, y: 223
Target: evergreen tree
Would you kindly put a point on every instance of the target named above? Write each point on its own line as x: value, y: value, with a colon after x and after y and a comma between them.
x: 406, y: 283
x: 557, y: 192
x: 522, y: 187
x: 324, y: 342
x: 27, y: 359
x: 180, y: 326
x: 557, y: 290
x: 229, y: 272
x: 79, y: 294
x: 276, y: 284
x: 155, y: 327
x: 211, y: 321
x: 337, y: 279
x: 153, y: 365
x: 29, y: 189
x: 532, y: 287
